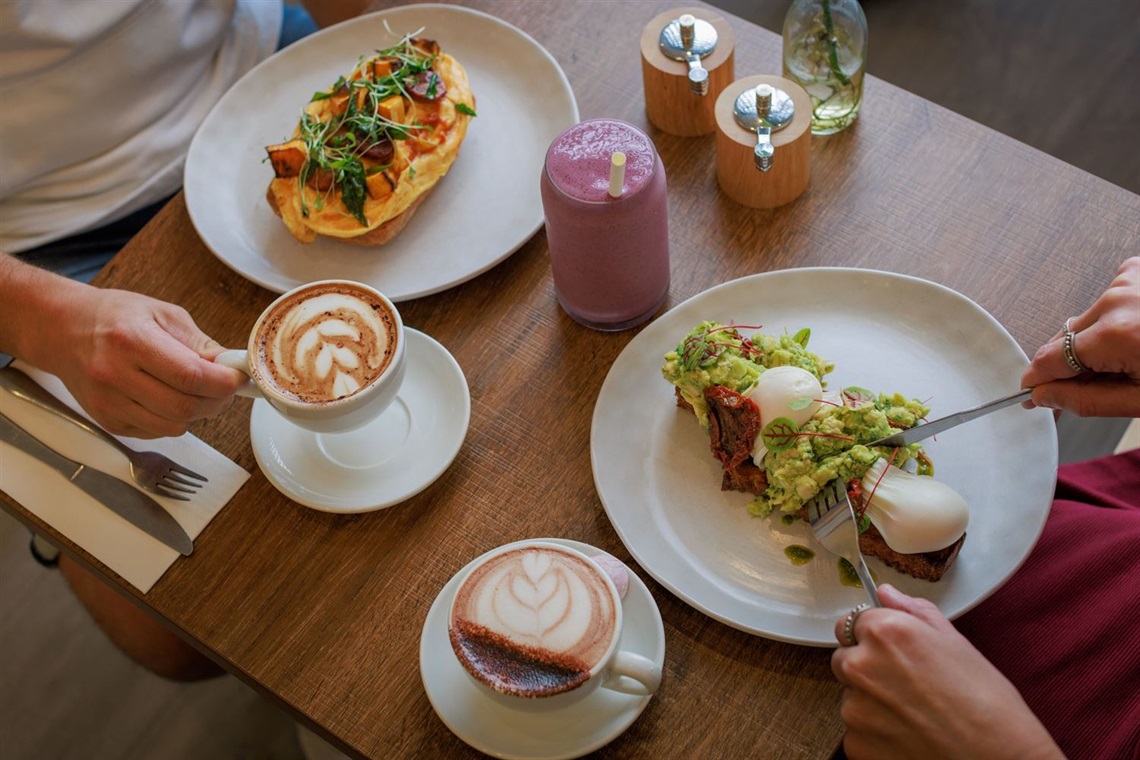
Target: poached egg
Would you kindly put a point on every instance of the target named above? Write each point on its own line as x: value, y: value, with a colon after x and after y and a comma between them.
x: 915, y: 513
x: 789, y: 392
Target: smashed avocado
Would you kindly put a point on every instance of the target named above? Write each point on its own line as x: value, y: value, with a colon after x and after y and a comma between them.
x: 831, y: 445
x: 715, y: 354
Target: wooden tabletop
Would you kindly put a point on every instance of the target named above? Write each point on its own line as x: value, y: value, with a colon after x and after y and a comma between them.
x: 323, y: 613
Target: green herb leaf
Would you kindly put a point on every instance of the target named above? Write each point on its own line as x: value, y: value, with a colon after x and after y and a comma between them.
x: 864, y: 523
x: 802, y: 337
x: 353, y: 186
x: 779, y: 434
x: 857, y: 395
x: 464, y: 108
x: 800, y: 403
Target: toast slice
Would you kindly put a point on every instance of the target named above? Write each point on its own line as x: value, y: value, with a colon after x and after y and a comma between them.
x: 734, y: 421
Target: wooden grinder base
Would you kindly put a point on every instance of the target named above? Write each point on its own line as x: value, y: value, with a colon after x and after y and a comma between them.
x: 735, y: 149
x: 669, y: 102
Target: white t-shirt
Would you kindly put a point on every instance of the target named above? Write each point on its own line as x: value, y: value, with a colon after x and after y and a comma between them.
x: 99, y: 100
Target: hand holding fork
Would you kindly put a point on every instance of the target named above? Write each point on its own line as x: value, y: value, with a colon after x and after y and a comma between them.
x: 150, y: 470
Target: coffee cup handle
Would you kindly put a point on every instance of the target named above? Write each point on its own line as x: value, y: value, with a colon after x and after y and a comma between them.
x: 631, y: 673
x: 239, y: 359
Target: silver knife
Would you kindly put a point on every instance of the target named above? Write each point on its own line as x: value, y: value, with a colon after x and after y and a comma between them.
x: 919, y: 432
x: 122, y: 499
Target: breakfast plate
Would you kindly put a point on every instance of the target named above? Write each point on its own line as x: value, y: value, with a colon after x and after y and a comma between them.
x: 387, y: 461
x: 660, y: 485
x: 499, y: 731
x: 523, y: 101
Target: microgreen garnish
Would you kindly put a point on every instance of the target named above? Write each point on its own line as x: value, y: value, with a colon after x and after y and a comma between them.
x: 874, y: 488
x: 339, y: 148
x: 857, y: 396
x: 802, y: 337
x: 781, y: 434
x: 466, y: 109
x: 801, y: 403
x: 698, y: 350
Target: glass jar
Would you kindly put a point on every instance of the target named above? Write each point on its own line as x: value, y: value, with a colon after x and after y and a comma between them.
x: 825, y: 52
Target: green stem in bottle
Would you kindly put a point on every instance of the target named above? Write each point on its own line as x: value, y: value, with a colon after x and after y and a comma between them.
x: 832, y: 50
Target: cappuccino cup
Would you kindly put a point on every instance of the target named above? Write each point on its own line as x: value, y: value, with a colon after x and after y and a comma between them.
x: 328, y: 355
x: 537, y: 627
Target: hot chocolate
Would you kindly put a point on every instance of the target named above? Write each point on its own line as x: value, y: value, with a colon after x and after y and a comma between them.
x: 534, y: 621
x: 325, y: 343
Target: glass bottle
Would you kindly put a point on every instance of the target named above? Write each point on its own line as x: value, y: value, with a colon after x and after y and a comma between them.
x: 825, y: 52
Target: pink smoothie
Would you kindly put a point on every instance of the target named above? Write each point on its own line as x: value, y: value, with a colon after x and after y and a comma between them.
x: 609, y: 256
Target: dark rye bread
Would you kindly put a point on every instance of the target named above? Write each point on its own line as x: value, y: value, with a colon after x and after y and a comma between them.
x: 927, y: 566
x: 733, y: 423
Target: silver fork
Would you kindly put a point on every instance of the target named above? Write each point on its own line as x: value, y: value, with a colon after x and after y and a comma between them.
x: 153, y: 471
x: 833, y: 523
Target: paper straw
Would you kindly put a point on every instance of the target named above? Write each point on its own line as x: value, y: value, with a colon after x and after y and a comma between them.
x: 617, y: 174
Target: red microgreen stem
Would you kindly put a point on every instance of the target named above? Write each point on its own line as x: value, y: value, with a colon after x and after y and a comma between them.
x: 870, y: 496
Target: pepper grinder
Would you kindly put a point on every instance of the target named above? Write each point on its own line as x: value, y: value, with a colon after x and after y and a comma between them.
x: 763, y: 141
x: 686, y: 61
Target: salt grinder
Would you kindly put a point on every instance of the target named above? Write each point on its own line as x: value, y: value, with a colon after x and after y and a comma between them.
x: 686, y: 61
x: 690, y: 39
x: 764, y: 110
x: 763, y: 141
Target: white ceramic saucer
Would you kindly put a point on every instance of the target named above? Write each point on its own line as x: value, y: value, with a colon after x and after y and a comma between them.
x: 505, y: 733
x: 387, y: 461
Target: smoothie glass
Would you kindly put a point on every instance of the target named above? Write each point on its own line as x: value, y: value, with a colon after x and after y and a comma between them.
x: 609, y: 253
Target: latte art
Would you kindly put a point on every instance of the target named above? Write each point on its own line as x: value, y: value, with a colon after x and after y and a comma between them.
x: 326, y: 343
x: 533, y: 621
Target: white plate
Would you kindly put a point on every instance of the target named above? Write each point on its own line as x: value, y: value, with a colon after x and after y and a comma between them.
x: 502, y: 732
x: 398, y: 455
x: 661, y: 485
x: 479, y: 214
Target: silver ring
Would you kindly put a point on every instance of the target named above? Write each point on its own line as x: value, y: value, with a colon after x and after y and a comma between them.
x: 1069, y: 344
x: 849, y: 639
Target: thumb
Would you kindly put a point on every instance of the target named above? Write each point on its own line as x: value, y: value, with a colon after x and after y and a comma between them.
x: 923, y: 609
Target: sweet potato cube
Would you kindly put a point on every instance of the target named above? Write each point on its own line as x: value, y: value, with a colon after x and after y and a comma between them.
x: 381, y: 67
x: 392, y: 109
x: 380, y: 185
x: 287, y: 158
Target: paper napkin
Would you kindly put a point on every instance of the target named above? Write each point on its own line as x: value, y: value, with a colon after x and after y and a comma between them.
x: 133, y: 554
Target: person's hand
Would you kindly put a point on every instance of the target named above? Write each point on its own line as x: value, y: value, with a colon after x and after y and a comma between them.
x: 915, y: 687
x: 1108, y: 344
x: 139, y: 366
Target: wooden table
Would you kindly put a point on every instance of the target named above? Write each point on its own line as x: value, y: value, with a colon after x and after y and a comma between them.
x: 323, y: 613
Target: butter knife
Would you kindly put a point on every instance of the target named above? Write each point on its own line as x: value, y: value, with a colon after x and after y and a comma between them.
x: 919, y: 432
x: 124, y: 500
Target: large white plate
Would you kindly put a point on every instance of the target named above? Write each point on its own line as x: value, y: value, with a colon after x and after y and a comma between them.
x: 479, y: 214
x: 661, y: 486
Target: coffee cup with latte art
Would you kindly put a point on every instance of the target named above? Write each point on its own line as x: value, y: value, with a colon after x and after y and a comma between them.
x: 537, y: 625
x: 328, y: 355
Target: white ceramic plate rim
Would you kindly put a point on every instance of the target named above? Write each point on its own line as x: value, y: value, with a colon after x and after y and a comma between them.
x: 660, y: 485
x: 623, y: 709
x: 483, y: 211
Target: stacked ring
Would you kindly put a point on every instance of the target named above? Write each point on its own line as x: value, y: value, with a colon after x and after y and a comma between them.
x: 849, y: 639
x: 1069, y: 345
